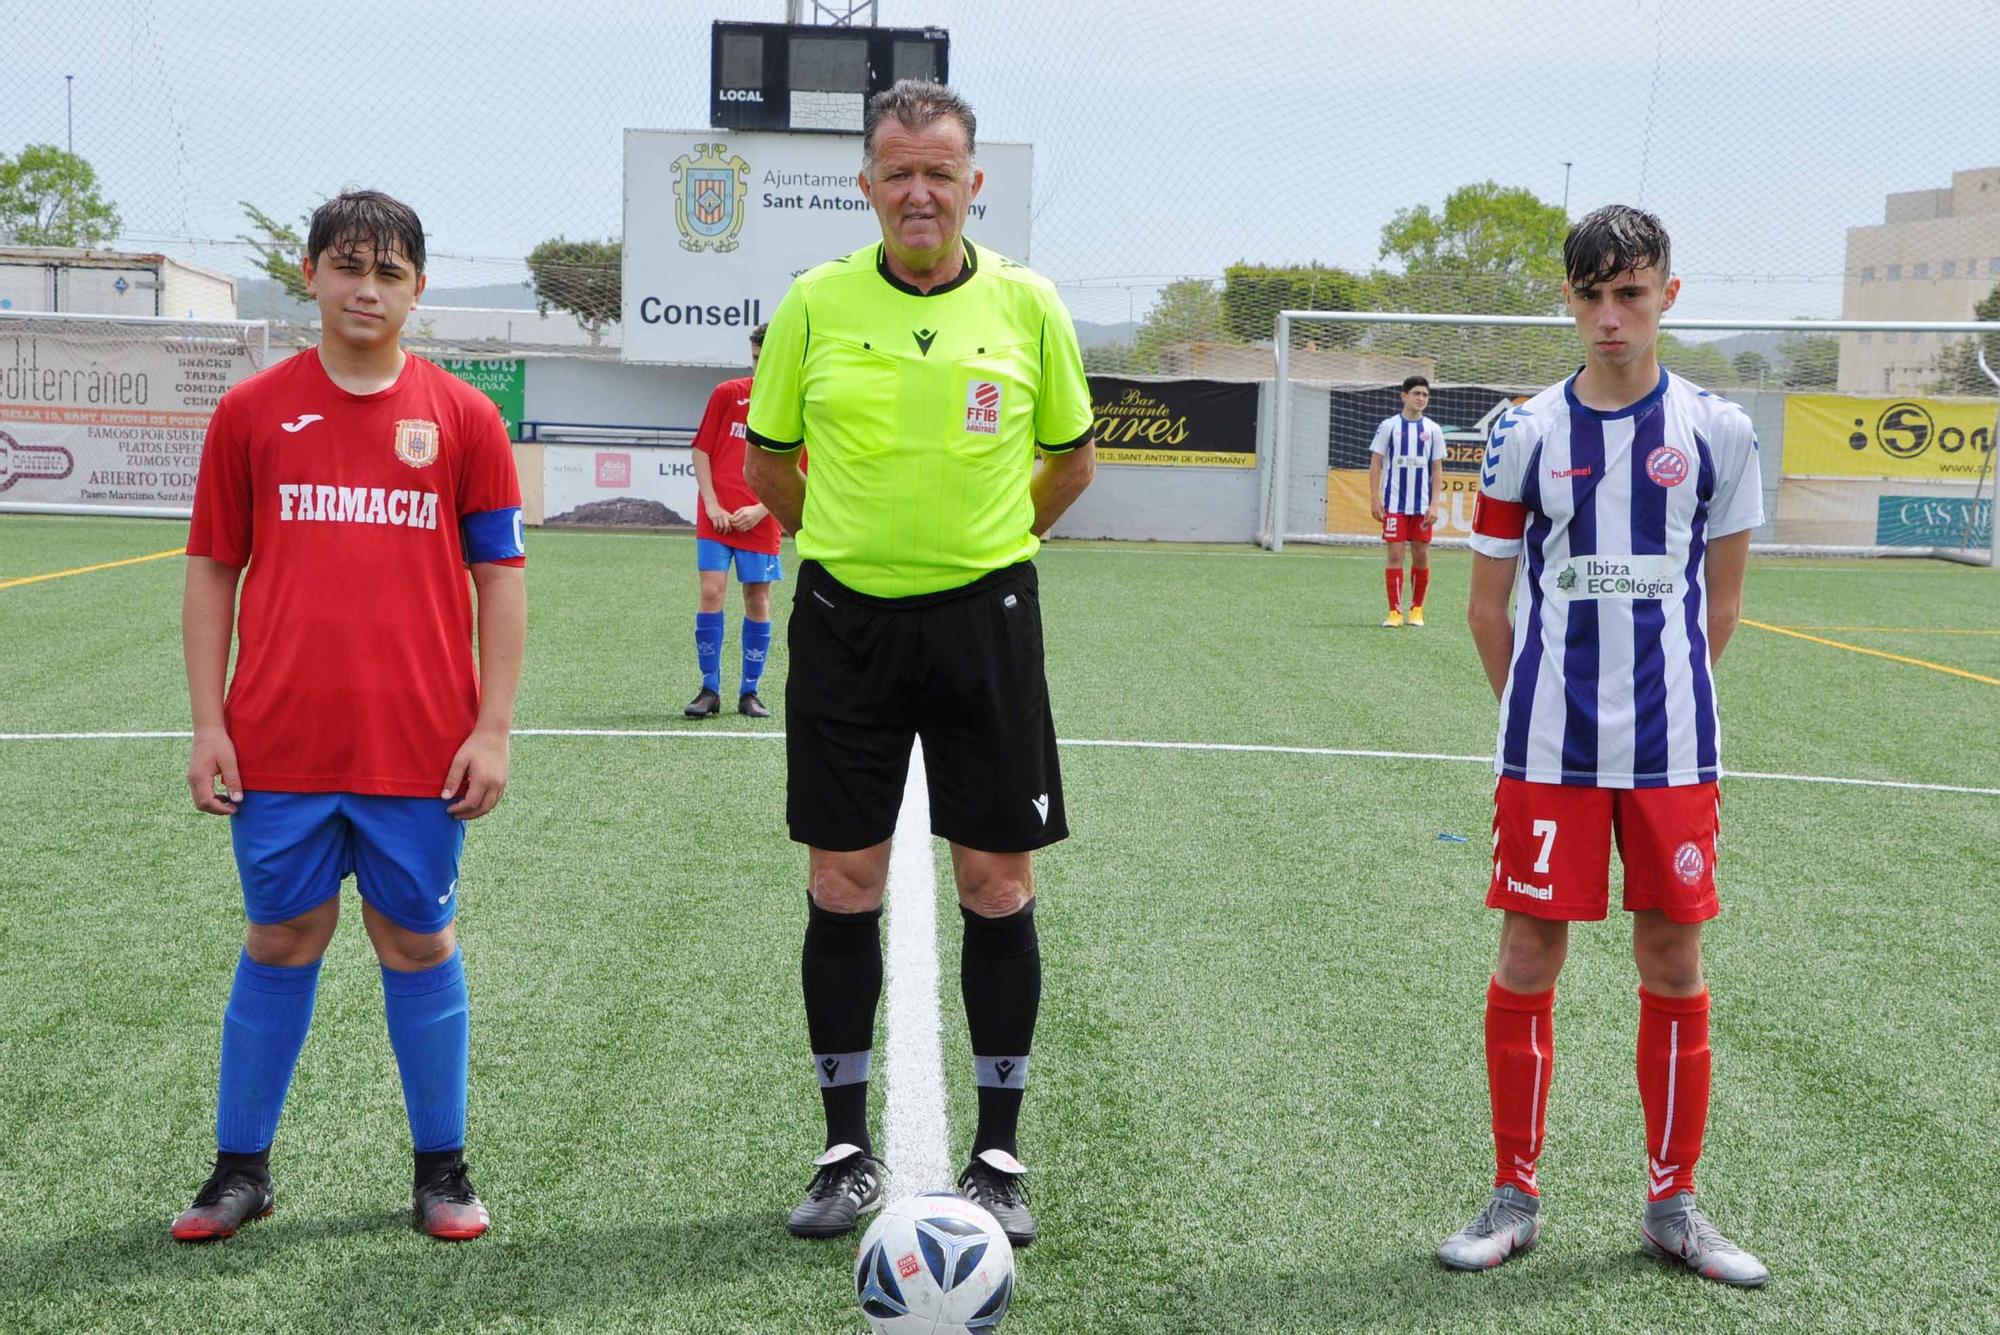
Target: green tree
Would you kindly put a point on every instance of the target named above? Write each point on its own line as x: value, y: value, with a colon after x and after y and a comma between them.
x: 1957, y: 367
x: 1493, y: 249
x: 1109, y: 359
x: 1188, y: 311
x: 1750, y: 367
x: 1702, y: 363
x: 1809, y: 361
x: 50, y: 198
x: 1253, y: 294
x: 280, y: 249
x: 584, y: 278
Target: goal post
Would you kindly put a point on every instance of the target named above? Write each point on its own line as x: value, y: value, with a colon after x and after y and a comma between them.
x: 1849, y: 468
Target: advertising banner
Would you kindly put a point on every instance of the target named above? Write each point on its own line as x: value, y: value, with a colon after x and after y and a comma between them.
x: 505, y: 381
x: 1203, y: 423
x: 110, y: 414
x: 1347, y: 503
x: 718, y: 224
x: 621, y: 486
x: 1838, y: 435
x: 1466, y: 412
x: 1933, y: 521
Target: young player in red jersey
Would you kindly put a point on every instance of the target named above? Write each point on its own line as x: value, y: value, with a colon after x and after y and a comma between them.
x: 350, y: 489
x: 732, y: 530
x: 1615, y: 509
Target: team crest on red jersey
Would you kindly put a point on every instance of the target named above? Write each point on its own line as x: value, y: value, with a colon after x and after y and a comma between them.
x: 1667, y: 466
x: 417, y: 442
x: 1689, y: 863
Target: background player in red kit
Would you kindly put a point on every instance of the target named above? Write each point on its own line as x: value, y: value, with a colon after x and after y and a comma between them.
x: 731, y: 529
x: 351, y: 488
x: 1615, y: 509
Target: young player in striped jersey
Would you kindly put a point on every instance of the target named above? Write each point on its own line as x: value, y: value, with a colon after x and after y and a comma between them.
x: 1405, y: 485
x: 1616, y: 509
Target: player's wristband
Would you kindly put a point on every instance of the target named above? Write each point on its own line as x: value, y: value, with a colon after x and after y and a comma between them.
x: 493, y: 535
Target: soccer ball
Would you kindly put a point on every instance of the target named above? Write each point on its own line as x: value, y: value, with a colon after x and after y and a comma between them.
x: 934, y: 1265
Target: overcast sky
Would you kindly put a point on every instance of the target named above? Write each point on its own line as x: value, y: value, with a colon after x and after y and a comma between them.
x: 1171, y: 138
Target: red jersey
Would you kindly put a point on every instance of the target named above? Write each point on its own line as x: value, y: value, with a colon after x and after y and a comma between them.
x: 722, y: 438
x: 354, y: 665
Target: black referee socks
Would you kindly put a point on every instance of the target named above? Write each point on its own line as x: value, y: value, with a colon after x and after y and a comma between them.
x: 841, y: 968
x: 1000, y: 974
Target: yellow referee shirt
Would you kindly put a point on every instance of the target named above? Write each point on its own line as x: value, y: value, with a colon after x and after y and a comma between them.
x: 920, y: 414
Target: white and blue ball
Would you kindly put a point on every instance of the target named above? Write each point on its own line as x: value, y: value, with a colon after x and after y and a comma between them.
x: 934, y: 1265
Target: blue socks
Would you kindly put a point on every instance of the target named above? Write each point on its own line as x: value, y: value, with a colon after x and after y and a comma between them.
x: 428, y: 1028
x: 263, y: 1028
x: 708, y: 648
x: 756, y: 645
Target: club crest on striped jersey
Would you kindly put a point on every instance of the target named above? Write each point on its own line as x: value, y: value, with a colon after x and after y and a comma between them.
x: 417, y: 442
x: 1667, y: 466
x: 1689, y: 863
x: 982, y: 407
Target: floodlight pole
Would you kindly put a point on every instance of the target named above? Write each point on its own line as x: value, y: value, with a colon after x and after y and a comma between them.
x: 1566, y: 167
x: 69, y: 109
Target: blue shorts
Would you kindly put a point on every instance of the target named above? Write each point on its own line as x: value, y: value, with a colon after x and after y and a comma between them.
x: 751, y: 567
x: 294, y: 849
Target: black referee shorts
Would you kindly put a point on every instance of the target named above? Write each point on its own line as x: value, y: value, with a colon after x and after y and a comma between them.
x: 963, y: 670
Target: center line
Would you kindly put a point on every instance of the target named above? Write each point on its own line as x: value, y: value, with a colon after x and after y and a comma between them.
x: 913, y: 1116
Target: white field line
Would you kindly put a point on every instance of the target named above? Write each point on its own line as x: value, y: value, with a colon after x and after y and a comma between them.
x: 914, y: 1134
x: 1242, y: 748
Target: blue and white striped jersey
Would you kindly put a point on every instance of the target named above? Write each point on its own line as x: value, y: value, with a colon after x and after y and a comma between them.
x: 1408, y: 450
x: 1610, y: 515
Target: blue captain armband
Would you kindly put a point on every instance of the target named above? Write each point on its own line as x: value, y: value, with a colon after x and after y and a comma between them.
x: 493, y: 535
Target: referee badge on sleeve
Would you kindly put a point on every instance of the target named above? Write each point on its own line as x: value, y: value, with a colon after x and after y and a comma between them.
x: 982, y: 407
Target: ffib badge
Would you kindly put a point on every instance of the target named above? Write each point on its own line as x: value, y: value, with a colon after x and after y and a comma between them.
x: 417, y: 442
x: 982, y: 407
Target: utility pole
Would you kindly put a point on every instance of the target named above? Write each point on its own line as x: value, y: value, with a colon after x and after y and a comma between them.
x: 1566, y: 167
x: 69, y: 108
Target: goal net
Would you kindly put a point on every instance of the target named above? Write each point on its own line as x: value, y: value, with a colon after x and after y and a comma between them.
x: 1848, y: 469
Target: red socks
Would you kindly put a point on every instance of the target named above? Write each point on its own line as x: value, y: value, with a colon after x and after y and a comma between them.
x: 1420, y: 584
x: 1673, y: 1086
x: 1395, y: 578
x: 1520, y: 1057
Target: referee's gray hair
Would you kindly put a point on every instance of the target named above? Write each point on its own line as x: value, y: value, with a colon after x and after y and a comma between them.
x: 915, y: 103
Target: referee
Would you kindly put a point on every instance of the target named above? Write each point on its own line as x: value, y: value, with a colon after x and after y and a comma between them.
x: 922, y: 375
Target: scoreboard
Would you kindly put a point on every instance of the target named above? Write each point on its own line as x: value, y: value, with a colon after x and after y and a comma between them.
x: 800, y: 77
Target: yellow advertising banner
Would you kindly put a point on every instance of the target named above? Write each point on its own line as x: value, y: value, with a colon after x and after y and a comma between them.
x: 1837, y: 435
x: 1347, y: 503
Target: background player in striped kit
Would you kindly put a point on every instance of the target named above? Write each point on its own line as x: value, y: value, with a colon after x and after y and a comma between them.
x: 1405, y: 484
x: 1616, y: 508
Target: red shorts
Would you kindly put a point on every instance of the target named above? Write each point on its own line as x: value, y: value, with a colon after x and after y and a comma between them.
x: 1552, y: 850
x: 1407, y: 528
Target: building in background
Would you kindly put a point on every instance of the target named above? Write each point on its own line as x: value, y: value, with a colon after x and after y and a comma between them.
x: 1934, y: 256
x: 74, y: 281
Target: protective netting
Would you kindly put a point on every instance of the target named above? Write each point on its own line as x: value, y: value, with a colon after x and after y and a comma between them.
x: 1173, y: 139
x: 1861, y: 474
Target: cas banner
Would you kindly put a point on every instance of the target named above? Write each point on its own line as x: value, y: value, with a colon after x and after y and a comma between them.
x: 1199, y: 423
x: 110, y: 414
x: 619, y: 487
x: 1465, y: 412
x: 718, y: 224
x: 1838, y: 435
x: 1934, y: 521
x: 503, y: 380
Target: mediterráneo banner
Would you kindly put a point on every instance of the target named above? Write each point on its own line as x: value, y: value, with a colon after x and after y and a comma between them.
x: 108, y: 415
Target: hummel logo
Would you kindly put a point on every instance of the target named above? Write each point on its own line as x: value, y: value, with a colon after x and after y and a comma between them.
x: 924, y: 339
x: 305, y: 420
x: 830, y: 1065
x: 1041, y: 806
x: 1003, y: 1069
x: 1660, y: 1174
